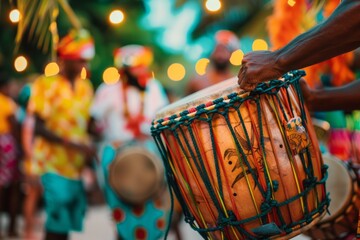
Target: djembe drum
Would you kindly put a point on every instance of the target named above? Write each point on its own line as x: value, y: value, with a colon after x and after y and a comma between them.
x: 244, y: 165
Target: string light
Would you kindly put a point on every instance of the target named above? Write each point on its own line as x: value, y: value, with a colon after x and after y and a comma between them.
x: 51, y: 69
x: 111, y: 75
x: 20, y: 63
x: 259, y: 45
x: 213, y: 5
x: 14, y: 15
x: 116, y: 17
x: 201, y: 65
x: 236, y: 57
x: 176, y: 72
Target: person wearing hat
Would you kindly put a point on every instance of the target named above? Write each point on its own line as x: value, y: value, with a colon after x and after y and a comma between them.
x: 60, y: 105
x: 124, y: 111
x: 226, y: 43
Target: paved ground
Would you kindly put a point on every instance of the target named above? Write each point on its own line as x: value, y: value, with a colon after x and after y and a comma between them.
x: 98, y: 226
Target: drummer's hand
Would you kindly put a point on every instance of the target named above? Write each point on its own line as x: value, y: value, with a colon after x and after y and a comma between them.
x: 257, y: 67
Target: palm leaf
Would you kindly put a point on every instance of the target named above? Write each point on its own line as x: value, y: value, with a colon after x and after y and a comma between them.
x: 39, y: 21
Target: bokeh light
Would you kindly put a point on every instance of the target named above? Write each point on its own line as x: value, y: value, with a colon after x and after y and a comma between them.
x: 51, y: 69
x: 111, y: 75
x: 20, y: 63
x: 14, y: 15
x: 291, y: 3
x: 116, y: 17
x: 237, y: 57
x: 259, y: 45
x: 83, y: 74
x: 176, y: 72
x: 213, y: 5
x: 201, y: 65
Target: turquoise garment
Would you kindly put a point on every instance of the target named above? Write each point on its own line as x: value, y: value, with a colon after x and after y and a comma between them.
x: 336, y: 119
x: 65, y: 203
x: 145, y: 222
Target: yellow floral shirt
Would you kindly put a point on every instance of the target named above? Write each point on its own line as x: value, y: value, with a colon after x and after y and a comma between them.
x: 7, y: 108
x: 65, y: 109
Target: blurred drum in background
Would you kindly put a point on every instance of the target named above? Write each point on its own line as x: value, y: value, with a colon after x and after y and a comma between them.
x: 344, y: 205
x: 135, y: 189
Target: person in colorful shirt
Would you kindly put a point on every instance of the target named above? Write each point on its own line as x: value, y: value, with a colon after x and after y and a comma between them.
x: 9, y: 152
x: 124, y: 112
x: 226, y: 43
x: 60, y: 105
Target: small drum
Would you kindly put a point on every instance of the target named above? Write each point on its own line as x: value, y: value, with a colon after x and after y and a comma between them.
x: 244, y: 165
x: 136, y: 174
x: 135, y: 190
x: 344, y: 205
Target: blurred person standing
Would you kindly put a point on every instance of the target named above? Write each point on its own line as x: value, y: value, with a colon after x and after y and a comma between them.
x: 226, y: 43
x: 60, y: 105
x: 9, y: 154
x: 124, y: 111
x: 32, y: 184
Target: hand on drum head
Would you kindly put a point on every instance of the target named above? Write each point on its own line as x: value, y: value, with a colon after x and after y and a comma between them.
x: 257, y: 67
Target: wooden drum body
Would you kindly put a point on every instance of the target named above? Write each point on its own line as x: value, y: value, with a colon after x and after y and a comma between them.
x: 244, y: 165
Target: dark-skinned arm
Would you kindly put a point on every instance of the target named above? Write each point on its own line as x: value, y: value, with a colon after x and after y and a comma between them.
x: 345, y: 98
x: 41, y: 130
x: 339, y: 34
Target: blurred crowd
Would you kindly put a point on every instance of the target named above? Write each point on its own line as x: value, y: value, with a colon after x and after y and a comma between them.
x: 59, y: 139
x: 56, y: 134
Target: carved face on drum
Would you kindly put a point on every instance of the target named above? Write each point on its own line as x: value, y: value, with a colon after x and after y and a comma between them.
x: 134, y: 177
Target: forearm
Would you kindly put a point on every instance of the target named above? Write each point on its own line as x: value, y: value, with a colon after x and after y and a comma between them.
x: 345, y: 98
x: 41, y: 130
x: 338, y: 34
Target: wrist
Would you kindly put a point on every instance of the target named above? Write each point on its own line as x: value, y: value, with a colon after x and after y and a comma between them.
x: 281, y: 62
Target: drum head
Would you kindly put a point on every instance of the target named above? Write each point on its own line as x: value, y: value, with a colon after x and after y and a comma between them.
x: 136, y: 175
x: 339, y: 184
x: 203, y: 96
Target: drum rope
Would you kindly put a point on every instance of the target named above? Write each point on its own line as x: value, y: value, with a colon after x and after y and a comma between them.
x: 250, y: 169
